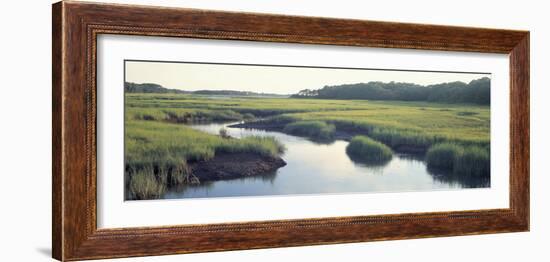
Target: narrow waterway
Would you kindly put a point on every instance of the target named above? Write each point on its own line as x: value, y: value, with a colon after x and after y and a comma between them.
x: 315, y: 168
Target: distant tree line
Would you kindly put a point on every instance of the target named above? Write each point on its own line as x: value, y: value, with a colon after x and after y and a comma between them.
x: 477, y: 92
x: 149, y: 88
x: 130, y: 87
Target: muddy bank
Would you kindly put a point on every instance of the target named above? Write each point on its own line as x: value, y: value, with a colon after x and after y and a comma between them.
x: 342, y: 133
x: 235, y: 165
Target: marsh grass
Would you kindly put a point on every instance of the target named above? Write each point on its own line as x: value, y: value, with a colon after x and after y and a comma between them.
x: 264, y: 146
x: 202, y: 116
x: 318, y: 130
x: 456, y: 137
x: 393, y: 122
x: 366, y: 150
x: 462, y: 160
x: 163, y: 150
x: 443, y: 156
x: 408, y: 139
x: 144, y: 185
x: 474, y: 161
x: 401, y: 138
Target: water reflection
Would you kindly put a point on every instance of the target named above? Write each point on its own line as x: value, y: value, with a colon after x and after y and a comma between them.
x: 372, y: 164
x: 317, y: 168
x: 446, y: 176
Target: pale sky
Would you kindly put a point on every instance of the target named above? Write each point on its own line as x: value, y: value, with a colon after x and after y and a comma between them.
x: 271, y: 79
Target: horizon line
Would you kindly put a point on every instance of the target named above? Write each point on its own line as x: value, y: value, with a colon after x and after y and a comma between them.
x: 256, y: 92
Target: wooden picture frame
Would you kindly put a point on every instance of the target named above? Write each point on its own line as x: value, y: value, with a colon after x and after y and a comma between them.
x: 76, y: 26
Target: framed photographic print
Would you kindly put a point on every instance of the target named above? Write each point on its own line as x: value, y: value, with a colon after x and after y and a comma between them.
x: 182, y: 130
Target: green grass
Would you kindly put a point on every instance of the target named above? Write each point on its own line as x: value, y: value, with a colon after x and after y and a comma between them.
x: 399, y: 124
x: 163, y: 150
x: 318, y: 130
x: 156, y: 137
x: 462, y: 160
x: 166, y: 143
x: 474, y: 161
x: 366, y: 150
x: 182, y: 115
x: 144, y: 185
x: 392, y: 122
x: 443, y: 156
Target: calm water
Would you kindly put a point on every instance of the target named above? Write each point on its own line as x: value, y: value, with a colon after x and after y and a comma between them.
x: 314, y: 168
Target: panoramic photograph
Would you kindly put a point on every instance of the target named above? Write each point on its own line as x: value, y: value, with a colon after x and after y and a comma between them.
x: 203, y: 130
